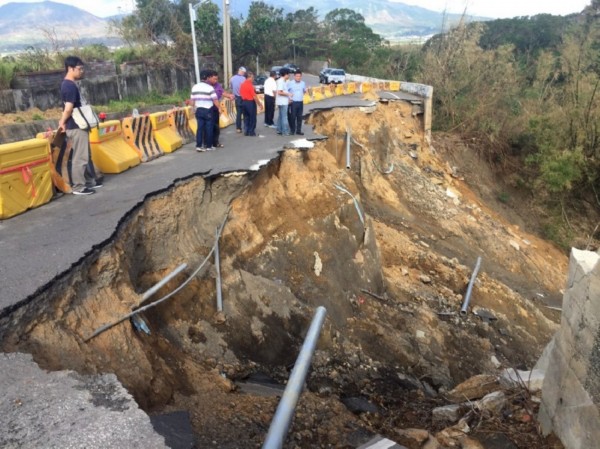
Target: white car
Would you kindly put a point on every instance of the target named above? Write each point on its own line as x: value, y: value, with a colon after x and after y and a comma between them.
x: 335, y: 76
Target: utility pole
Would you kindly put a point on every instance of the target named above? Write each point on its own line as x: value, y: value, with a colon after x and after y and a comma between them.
x: 193, y: 25
x: 227, y: 63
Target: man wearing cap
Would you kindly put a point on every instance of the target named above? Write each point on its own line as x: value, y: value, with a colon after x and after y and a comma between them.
x: 235, y: 82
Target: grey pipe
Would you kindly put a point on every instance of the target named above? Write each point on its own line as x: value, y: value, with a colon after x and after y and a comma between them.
x: 465, y: 305
x: 218, y: 268
x: 152, y: 290
x: 356, y: 206
x: 348, y: 138
x: 285, y: 410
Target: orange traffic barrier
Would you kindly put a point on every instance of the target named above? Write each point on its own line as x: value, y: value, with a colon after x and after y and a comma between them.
x: 168, y: 140
x: 138, y: 134
x: 110, y: 152
x: 25, y: 179
x: 178, y: 121
x: 192, y: 123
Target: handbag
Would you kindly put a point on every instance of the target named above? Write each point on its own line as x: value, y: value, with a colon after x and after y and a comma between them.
x: 85, y: 117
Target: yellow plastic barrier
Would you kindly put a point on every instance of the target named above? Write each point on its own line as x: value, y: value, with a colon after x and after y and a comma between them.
x: 366, y: 87
x: 386, y: 85
x: 351, y: 88
x: 339, y: 89
x: 168, y: 140
x: 318, y: 94
x: 261, y: 99
x: 395, y: 86
x: 138, y: 134
x: 327, y: 92
x: 60, y: 163
x: 192, y: 123
x: 25, y: 178
x: 307, y: 97
x: 224, y: 118
x: 231, y: 110
x: 110, y: 152
x: 178, y: 122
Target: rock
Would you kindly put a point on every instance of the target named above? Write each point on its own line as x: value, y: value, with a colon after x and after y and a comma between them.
x: 420, y: 335
x: 495, y: 362
x: 474, y: 388
x: 451, y: 193
x: 412, y: 438
x: 318, y: 267
x: 492, y: 402
x: 359, y: 405
x: 425, y: 279
x: 532, y: 380
x: 448, y: 413
x: 515, y: 245
x: 469, y: 443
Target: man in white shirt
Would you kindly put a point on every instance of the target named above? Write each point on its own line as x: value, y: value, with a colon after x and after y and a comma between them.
x: 204, y: 98
x: 270, y: 93
x: 282, y: 100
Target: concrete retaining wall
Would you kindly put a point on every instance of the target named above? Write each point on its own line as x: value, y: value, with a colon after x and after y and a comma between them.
x: 102, y: 84
x: 571, y: 390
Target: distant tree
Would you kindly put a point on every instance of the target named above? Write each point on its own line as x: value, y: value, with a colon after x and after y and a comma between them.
x: 305, y: 34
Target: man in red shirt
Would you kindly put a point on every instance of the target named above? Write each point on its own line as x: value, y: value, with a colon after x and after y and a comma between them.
x: 249, y: 103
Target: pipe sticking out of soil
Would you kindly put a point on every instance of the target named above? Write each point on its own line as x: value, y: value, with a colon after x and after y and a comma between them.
x: 285, y: 410
x: 465, y: 305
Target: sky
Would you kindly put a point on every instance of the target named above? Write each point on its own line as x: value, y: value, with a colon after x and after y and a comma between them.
x: 485, y: 8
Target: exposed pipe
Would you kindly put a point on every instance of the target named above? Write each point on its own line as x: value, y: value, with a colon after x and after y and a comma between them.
x: 164, y: 298
x: 218, y: 268
x: 360, y: 214
x: 348, y: 138
x: 287, y: 405
x: 465, y: 305
x: 163, y: 281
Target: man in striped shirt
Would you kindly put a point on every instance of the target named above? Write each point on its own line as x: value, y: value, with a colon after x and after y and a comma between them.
x: 204, y: 98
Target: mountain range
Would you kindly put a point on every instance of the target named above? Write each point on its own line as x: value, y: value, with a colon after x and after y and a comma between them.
x: 42, y: 23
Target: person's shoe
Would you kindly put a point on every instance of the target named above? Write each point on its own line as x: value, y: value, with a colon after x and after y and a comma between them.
x: 211, y: 149
x: 300, y: 133
x: 278, y: 133
x: 238, y: 130
x: 267, y: 125
x: 86, y: 191
x: 273, y: 126
x: 286, y: 134
x: 200, y: 149
x: 97, y: 186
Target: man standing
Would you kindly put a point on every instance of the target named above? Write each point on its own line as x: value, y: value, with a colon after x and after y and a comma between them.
x: 297, y: 89
x: 270, y: 92
x: 235, y: 82
x: 282, y: 101
x: 213, y: 80
x: 204, y: 98
x: 249, y: 101
x: 83, y: 182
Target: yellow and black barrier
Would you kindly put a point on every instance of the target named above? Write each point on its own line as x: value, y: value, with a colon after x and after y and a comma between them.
x: 25, y: 176
x: 168, y: 140
x: 178, y: 122
x: 138, y: 134
x: 231, y: 109
x: 110, y: 152
x: 307, y: 97
x: 224, y: 117
x: 192, y: 122
x: 317, y: 93
x: 366, y: 87
x: 60, y: 163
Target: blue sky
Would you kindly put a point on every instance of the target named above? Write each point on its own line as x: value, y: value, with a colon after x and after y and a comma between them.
x: 486, y: 8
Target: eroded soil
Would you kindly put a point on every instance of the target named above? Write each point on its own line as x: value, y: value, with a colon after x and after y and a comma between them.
x: 393, y: 343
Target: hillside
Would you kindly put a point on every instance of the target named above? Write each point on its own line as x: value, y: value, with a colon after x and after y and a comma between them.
x: 23, y: 24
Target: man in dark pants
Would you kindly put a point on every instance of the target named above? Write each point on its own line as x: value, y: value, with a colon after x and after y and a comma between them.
x: 213, y: 80
x: 270, y: 91
x: 249, y: 102
x: 204, y: 98
x: 297, y: 89
x: 235, y: 82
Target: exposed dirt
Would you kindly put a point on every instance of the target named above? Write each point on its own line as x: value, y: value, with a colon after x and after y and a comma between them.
x: 393, y: 344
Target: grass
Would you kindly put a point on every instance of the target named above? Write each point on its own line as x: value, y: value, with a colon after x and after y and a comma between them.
x: 150, y: 99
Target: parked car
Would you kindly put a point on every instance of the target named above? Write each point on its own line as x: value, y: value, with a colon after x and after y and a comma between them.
x: 291, y: 67
x: 276, y: 69
x: 324, y: 72
x: 335, y: 76
x: 259, y: 84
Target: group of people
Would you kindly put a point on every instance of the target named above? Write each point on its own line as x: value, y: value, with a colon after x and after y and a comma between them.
x: 282, y: 93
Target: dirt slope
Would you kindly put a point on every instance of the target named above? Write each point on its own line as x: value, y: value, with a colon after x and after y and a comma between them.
x: 393, y: 344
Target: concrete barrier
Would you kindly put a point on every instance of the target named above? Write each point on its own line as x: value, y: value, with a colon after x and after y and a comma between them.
x: 224, y: 114
x: 168, y: 140
x: 110, y: 152
x: 192, y: 123
x: 60, y: 163
x: 25, y: 179
x: 138, y: 134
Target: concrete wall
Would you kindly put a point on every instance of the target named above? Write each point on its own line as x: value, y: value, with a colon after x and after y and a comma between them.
x: 102, y: 84
x: 571, y: 390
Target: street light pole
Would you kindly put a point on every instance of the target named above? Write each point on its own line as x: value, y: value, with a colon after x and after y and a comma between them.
x: 193, y: 25
x: 227, y: 64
